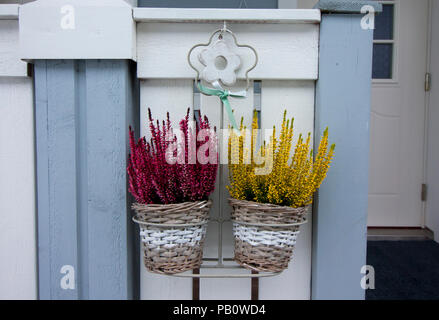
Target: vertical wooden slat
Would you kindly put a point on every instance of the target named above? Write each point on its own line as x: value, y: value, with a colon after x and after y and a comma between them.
x: 197, y: 115
x: 105, y: 136
x: 297, y: 97
x: 243, y: 108
x: 211, y: 107
x: 18, y: 276
x: 42, y: 181
x: 56, y: 173
x: 224, y: 288
x: 162, y: 96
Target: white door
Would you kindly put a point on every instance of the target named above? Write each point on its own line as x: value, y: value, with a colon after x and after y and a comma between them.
x: 397, y: 116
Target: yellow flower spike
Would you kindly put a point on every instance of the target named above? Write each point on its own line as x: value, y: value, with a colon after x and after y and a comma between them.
x: 287, y: 180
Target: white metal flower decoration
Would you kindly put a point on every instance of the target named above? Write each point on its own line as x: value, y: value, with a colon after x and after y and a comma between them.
x: 221, y: 62
x: 222, y: 46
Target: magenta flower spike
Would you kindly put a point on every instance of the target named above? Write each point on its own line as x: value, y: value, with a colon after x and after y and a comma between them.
x: 152, y: 179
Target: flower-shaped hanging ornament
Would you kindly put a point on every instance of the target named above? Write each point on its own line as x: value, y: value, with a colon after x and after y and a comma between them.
x: 220, y: 61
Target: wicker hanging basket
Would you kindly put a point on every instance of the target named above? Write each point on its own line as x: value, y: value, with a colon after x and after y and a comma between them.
x: 265, y: 234
x: 172, y: 235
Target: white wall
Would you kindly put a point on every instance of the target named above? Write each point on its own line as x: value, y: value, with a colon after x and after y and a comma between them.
x: 432, y: 210
x: 18, y: 278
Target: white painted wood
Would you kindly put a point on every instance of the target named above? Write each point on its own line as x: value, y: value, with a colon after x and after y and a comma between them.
x: 9, y: 11
x: 99, y: 31
x: 18, y: 277
x: 224, y: 288
x: 397, y: 126
x: 161, y: 287
x: 286, y: 51
x: 10, y: 63
x: 210, y: 106
x: 297, y: 97
x: 162, y: 96
x: 243, y: 108
x: 229, y: 15
x: 288, y: 58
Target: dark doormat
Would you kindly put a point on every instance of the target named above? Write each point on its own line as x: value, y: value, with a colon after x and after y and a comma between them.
x: 404, y: 269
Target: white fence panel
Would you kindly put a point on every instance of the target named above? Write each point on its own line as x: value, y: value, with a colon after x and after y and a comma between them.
x: 18, y: 276
x: 286, y: 51
x: 223, y: 288
x: 162, y: 96
x: 18, y: 261
x: 297, y: 97
x: 288, y: 58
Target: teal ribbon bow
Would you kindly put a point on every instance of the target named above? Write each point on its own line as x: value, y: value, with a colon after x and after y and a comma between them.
x: 224, y: 97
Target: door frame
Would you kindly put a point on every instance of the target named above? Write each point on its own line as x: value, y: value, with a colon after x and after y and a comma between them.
x: 427, y: 109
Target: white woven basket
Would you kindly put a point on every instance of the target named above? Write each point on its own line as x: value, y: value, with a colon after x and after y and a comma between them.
x: 265, y: 234
x: 257, y: 236
x: 172, y: 235
x: 157, y: 238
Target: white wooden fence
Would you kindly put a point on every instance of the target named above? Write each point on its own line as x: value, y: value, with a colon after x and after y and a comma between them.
x: 287, y: 69
x: 18, y: 278
x: 287, y: 44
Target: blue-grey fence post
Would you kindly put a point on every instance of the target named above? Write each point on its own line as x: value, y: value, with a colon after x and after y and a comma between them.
x: 86, y: 96
x: 83, y: 110
x: 343, y: 104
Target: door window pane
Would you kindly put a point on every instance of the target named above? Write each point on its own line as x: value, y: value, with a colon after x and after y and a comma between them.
x: 384, y: 23
x: 384, y: 46
x: 382, y: 61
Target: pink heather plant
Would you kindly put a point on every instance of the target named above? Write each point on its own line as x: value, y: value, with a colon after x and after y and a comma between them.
x: 153, y: 179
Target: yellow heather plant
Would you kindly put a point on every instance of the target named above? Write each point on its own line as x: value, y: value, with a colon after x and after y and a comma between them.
x: 269, y: 175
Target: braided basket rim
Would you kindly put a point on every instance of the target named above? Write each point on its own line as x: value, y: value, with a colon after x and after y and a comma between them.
x: 286, y: 216
x: 265, y: 205
x: 172, y: 215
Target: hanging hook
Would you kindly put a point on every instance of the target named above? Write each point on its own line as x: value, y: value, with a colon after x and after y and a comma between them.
x: 223, y: 30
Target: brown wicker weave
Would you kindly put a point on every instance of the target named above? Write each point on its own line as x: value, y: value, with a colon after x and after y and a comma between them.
x: 262, y: 258
x: 169, y: 248
x: 260, y: 244
x: 175, y: 213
